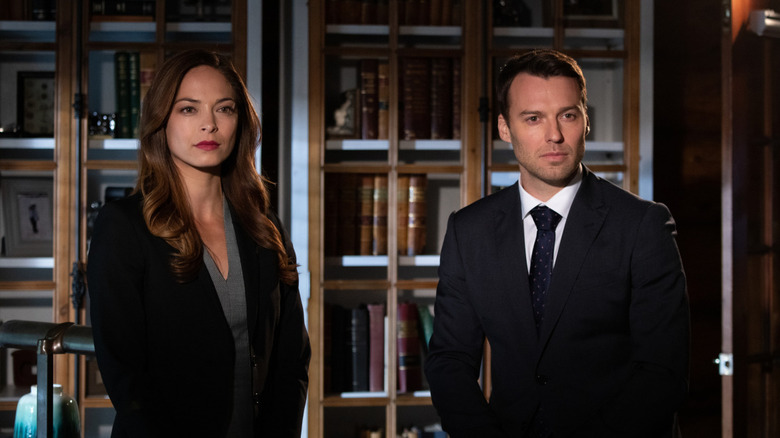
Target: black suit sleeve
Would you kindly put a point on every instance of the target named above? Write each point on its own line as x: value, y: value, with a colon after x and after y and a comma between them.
x: 453, y: 364
x: 115, y: 279
x: 284, y: 399
x: 659, y: 326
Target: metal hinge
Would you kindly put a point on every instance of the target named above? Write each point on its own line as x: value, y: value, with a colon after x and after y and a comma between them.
x: 725, y: 363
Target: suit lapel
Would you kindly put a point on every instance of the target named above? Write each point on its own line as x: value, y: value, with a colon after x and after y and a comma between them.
x: 510, y: 244
x: 585, y: 220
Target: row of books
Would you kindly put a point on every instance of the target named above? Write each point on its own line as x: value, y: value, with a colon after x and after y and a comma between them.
x: 354, y: 344
x: 133, y: 74
x: 175, y: 10
x: 28, y: 10
x: 410, y: 12
x: 429, y: 99
x: 408, y: 432
x: 356, y: 211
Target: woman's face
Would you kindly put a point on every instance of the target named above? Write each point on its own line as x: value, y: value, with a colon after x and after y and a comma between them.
x: 201, y: 129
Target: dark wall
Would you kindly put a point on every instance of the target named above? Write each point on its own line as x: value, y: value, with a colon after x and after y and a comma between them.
x: 687, y: 174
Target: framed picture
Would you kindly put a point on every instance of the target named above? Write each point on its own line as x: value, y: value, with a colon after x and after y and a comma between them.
x: 593, y: 13
x: 345, y: 121
x: 28, y: 213
x: 35, y: 103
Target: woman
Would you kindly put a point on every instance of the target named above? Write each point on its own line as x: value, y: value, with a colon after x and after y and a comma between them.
x: 196, y: 315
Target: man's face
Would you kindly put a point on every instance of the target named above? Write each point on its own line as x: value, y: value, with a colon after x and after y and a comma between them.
x: 546, y: 125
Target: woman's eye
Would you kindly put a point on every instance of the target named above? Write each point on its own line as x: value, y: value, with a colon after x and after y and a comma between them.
x: 187, y: 110
x: 228, y: 109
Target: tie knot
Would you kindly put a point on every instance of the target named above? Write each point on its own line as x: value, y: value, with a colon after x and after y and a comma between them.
x: 544, y: 218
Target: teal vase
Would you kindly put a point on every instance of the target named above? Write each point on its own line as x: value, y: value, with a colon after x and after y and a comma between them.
x: 66, y: 422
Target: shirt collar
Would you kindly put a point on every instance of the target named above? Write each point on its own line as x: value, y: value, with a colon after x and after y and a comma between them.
x: 560, y: 202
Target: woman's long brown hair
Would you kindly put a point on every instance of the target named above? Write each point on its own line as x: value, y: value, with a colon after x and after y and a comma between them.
x: 166, y: 209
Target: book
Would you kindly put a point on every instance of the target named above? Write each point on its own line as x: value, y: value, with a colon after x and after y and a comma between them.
x: 148, y: 70
x: 403, y: 213
x: 383, y: 100
x: 446, y: 13
x: 456, y: 97
x: 358, y: 348
x: 365, y: 212
x: 416, y: 122
x: 122, y: 89
x: 134, y: 77
x: 435, y: 12
x: 368, y: 99
x: 441, y: 98
x: 331, y: 215
x: 327, y: 346
x: 382, y: 12
x: 349, y: 11
x: 376, y: 347
x: 340, y: 364
x: 347, y: 214
x: 126, y: 10
x: 379, y: 230
x: 417, y: 216
x: 408, y: 341
x: 368, y: 11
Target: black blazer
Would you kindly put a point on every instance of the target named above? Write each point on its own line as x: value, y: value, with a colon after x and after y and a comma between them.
x: 165, y: 350
x: 611, y: 356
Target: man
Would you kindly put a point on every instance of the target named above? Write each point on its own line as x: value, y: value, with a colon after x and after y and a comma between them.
x: 599, y: 346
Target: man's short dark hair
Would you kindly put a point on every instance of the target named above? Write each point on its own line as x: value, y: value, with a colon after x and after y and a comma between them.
x: 544, y: 63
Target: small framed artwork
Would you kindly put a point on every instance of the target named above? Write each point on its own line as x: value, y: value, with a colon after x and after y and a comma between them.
x: 593, y: 13
x: 28, y: 213
x: 35, y: 103
x: 345, y: 121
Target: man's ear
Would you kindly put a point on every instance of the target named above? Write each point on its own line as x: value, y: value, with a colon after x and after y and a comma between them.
x: 503, y: 129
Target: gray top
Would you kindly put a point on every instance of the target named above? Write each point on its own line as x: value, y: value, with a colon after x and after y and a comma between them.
x: 232, y: 295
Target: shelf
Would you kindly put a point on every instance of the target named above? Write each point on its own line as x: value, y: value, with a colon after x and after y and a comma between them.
x: 357, y: 145
x: 27, y: 143
x: 358, y: 29
x: 27, y: 262
x: 114, y: 143
x: 429, y: 145
x: 595, y: 146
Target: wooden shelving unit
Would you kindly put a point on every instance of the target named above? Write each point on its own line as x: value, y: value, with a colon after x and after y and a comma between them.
x: 462, y: 169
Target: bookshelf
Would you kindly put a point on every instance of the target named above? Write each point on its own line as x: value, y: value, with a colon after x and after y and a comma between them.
x: 77, y: 44
x: 455, y: 168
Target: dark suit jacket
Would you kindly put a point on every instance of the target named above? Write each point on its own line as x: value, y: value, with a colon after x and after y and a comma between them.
x: 165, y: 349
x: 611, y: 356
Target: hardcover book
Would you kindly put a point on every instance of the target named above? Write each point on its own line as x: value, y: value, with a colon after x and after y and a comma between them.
x: 358, y: 348
x: 379, y: 231
x: 408, y: 340
x: 383, y: 101
x: 403, y: 213
x: 122, y: 86
x: 416, y: 99
x: 416, y: 233
x: 365, y: 208
x: 376, y: 347
x: 441, y: 98
x: 369, y: 104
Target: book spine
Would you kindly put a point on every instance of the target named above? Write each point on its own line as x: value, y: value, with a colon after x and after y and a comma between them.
x: 403, y: 213
x: 368, y: 98
x: 332, y: 193
x: 456, y: 98
x: 416, y: 99
x: 417, y: 214
x: 446, y: 12
x: 365, y: 213
x: 359, y: 348
x: 148, y: 70
x: 122, y: 87
x: 408, y: 339
x: 134, y: 77
x: 348, y: 214
x: 441, y: 98
x: 349, y: 11
x: 368, y: 12
x: 435, y: 12
x: 339, y: 355
x: 383, y: 100
x: 376, y: 347
x: 382, y: 12
x: 379, y: 241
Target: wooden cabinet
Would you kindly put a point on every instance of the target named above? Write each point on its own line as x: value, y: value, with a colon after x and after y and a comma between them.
x: 359, y: 176
x: 69, y: 170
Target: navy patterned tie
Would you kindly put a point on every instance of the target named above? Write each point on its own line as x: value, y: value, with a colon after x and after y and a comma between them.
x: 542, y: 258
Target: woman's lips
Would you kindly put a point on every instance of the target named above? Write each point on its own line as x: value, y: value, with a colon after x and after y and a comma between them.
x: 207, y: 145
